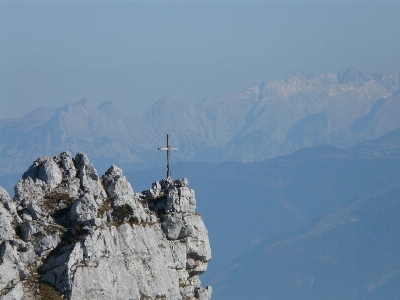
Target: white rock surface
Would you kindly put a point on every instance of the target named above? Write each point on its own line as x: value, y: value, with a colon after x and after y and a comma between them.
x: 94, y: 238
x: 49, y: 173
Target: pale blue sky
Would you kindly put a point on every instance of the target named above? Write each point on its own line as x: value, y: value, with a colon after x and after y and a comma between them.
x: 132, y: 53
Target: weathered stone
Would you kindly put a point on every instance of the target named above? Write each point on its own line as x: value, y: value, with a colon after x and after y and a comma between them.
x: 6, y: 228
x: 50, y: 173
x: 9, y: 274
x: 9, y: 204
x: 32, y: 172
x: 70, y: 187
x: 96, y: 222
x: 84, y: 209
x: 89, y: 179
x: 36, y: 211
x: 204, y: 293
x: 198, y: 245
x: 46, y: 243
x: 121, y: 192
x: 68, y: 164
x: 181, y: 182
x: 4, y: 196
x: 27, y: 229
x: 156, y: 252
x: 27, y: 190
x: 172, y: 225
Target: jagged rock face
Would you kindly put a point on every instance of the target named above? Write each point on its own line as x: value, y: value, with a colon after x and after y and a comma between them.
x: 69, y: 232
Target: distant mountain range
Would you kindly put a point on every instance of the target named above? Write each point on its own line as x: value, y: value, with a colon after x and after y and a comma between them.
x: 264, y: 121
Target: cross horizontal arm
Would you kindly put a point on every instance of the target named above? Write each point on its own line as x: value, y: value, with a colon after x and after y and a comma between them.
x: 168, y: 149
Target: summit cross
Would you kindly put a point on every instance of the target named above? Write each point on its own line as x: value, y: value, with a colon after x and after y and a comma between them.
x: 168, y: 149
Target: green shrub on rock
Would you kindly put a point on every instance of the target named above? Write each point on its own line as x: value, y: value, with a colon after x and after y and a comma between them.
x: 125, y: 213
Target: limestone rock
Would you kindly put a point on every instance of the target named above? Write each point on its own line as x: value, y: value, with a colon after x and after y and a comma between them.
x: 121, y: 192
x: 84, y: 209
x: 67, y: 164
x: 89, y: 178
x: 6, y: 229
x: 172, y: 225
x: 9, y: 275
x: 94, y: 238
x: 49, y: 173
x: 28, y: 190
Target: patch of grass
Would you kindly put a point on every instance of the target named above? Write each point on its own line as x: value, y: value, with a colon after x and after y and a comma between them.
x: 49, y: 292
x: 107, y: 206
x: 147, y: 223
x: 51, y: 229
x: 31, y: 283
x: 53, y: 200
x: 183, y: 285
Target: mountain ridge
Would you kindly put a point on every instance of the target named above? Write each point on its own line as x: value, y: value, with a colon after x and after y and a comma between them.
x: 264, y: 121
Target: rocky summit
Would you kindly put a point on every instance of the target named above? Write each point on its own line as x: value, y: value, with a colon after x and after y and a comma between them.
x: 69, y: 233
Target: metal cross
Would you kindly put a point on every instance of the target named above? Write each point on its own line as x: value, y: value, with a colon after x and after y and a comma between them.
x: 168, y: 149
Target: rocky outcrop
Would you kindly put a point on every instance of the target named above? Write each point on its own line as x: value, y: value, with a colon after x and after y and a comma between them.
x: 70, y: 233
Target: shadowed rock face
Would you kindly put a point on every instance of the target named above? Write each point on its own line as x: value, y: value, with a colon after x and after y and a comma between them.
x: 69, y: 232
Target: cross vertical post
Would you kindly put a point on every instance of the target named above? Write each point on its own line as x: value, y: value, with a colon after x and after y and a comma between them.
x: 168, y: 149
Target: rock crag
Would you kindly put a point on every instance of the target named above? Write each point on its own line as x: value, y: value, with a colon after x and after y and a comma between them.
x: 69, y: 233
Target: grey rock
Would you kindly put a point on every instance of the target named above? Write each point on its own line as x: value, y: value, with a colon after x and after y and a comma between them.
x: 9, y: 274
x: 96, y: 222
x: 98, y: 256
x: 198, y: 245
x: 69, y: 186
x: 204, y: 293
x: 181, y: 182
x: 172, y: 198
x: 121, y: 192
x: 36, y: 211
x: 15, y: 293
x: 50, y: 173
x: 26, y: 215
x: 68, y: 164
x: 6, y: 228
x: 28, y: 229
x: 46, y: 243
x: 84, y: 209
x: 9, y: 204
x: 4, y: 196
x: 172, y: 225
x: 155, y: 191
x: 27, y: 190
x: 32, y: 172
x: 187, y: 200
x: 89, y: 179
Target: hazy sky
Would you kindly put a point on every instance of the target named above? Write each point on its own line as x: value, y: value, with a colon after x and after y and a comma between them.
x: 132, y: 53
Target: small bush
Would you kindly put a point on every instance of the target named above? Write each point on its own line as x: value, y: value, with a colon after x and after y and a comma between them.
x: 123, y: 213
x: 133, y: 220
